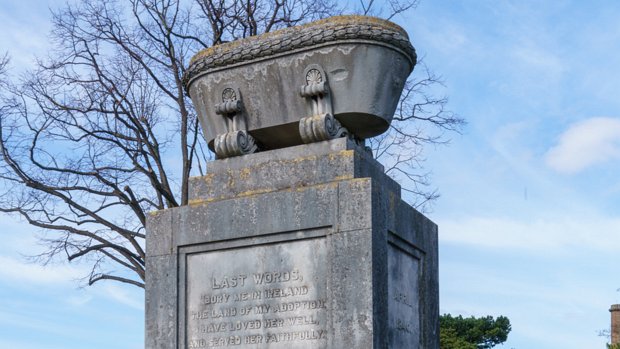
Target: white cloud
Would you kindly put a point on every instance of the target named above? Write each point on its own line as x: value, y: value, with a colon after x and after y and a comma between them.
x: 18, y: 236
x: 20, y: 271
x: 79, y: 299
x: 24, y: 32
x: 448, y: 38
x: 549, y: 235
x: 123, y: 294
x: 539, y: 59
x: 586, y: 143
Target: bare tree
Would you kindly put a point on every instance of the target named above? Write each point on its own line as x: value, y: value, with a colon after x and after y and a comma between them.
x: 421, y: 120
x: 386, y: 9
x: 101, y: 132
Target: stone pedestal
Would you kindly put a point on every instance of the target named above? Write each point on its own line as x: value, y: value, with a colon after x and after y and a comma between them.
x: 304, y: 247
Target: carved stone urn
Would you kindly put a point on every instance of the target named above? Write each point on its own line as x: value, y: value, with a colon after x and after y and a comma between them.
x: 326, y: 79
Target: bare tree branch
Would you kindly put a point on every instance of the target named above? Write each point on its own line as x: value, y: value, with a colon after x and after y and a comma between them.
x: 101, y: 132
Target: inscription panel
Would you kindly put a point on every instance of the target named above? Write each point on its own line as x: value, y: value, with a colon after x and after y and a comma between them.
x: 266, y: 296
x: 403, y: 301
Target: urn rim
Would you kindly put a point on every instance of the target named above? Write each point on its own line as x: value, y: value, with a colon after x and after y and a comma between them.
x: 326, y: 31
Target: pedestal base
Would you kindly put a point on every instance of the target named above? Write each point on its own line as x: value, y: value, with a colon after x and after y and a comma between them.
x: 303, y: 247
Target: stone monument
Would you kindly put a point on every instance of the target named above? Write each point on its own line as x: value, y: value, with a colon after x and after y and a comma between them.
x: 295, y: 238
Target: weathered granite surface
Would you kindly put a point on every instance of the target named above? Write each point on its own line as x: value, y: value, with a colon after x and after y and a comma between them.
x: 272, y: 90
x: 302, y: 247
x: 294, y: 38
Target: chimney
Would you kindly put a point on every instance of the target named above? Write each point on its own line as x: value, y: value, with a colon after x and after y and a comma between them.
x: 615, y: 323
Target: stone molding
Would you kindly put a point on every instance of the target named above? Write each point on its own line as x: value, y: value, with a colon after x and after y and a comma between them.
x: 321, y: 127
x: 234, y: 144
x: 330, y: 30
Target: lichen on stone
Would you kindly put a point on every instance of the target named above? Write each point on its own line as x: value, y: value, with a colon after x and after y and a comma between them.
x: 332, y: 29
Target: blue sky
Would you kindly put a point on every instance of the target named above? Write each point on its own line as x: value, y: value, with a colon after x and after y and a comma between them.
x: 529, y: 214
x: 530, y: 210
